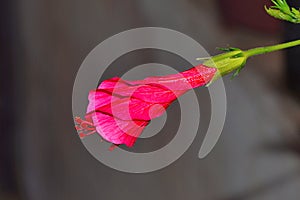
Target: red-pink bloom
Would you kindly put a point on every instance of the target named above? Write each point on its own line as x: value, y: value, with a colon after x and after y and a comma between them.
x: 119, y: 110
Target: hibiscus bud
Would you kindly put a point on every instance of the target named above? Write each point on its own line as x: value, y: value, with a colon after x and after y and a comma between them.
x: 119, y: 110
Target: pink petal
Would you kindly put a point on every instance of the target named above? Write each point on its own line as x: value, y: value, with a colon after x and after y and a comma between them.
x: 121, y: 109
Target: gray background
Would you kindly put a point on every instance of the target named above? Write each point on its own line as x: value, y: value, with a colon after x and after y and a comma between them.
x: 51, y: 162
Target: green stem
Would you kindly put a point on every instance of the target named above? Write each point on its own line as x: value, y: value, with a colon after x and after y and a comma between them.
x: 262, y: 50
x: 235, y: 59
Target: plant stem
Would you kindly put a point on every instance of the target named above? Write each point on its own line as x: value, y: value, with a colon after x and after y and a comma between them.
x: 267, y: 49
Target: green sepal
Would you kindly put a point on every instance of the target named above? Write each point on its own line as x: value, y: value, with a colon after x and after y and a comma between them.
x: 225, y: 63
x: 227, y: 49
x: 237, y: 72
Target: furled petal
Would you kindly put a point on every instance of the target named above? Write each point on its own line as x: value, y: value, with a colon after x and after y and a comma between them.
x: 121, y: 109
x: 118, y: 131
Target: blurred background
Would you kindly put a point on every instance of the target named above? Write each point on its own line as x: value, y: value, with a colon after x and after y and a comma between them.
x: 43, y: 43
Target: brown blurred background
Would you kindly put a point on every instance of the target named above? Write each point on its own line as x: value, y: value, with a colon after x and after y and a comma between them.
x: 43, y: 43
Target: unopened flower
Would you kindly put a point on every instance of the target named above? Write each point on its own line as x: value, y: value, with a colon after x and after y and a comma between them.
x: 119, y: 110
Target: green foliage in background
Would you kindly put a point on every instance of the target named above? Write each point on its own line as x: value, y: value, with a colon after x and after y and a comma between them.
x: 281, y: 10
